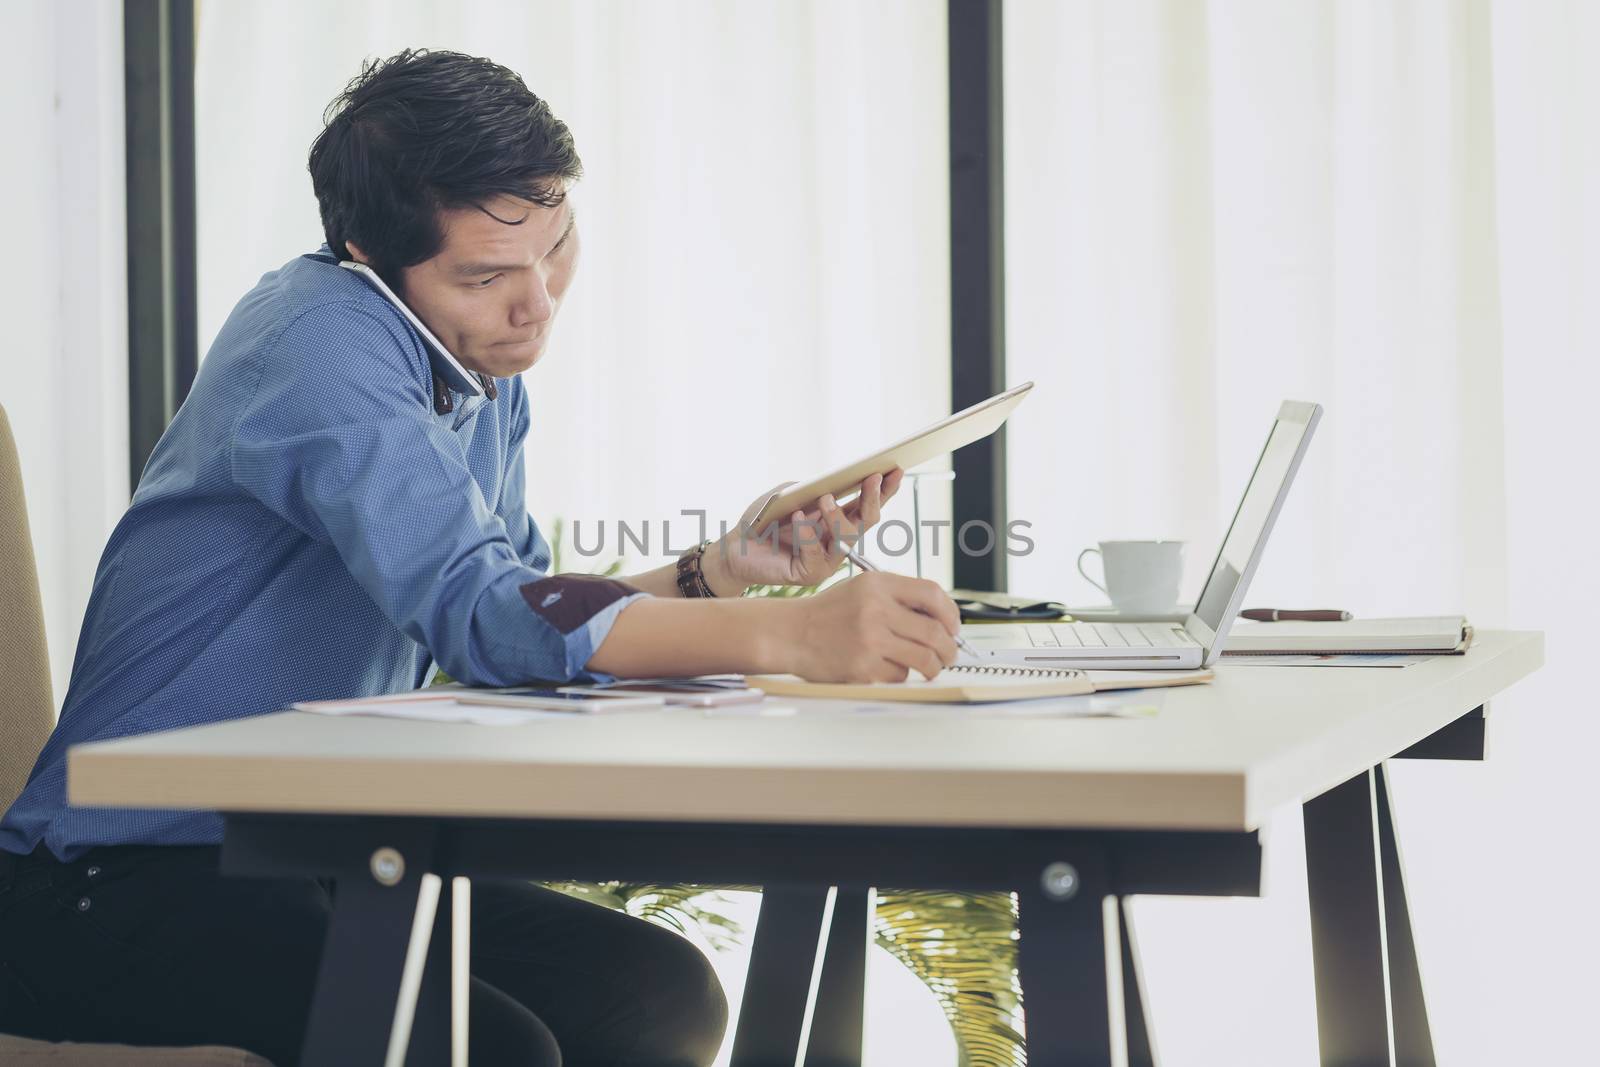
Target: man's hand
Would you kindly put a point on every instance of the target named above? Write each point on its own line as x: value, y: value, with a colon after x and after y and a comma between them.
x: 876, y: 627
x: 806, y: 548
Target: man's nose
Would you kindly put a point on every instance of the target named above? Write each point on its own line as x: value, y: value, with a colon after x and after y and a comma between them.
x: 534, y: 306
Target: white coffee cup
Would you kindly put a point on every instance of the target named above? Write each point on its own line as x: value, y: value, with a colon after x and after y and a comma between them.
x: 1140, y: 576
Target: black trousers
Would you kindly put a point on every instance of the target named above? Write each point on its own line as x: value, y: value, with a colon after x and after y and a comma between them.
x: 152, y: 946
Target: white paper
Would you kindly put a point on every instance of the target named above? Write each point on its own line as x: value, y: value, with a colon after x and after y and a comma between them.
x: 435, y: 710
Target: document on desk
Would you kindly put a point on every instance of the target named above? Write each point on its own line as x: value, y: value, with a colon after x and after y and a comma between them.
x: 483, y: 707
x: 437, y: 709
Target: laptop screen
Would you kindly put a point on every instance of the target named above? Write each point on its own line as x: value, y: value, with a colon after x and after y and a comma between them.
x: 1241, y: 548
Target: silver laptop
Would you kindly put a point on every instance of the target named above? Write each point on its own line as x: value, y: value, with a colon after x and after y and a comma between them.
x: 1196, y: 640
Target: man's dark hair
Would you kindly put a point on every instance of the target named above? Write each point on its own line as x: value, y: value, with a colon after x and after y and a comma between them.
x: 422, y: 131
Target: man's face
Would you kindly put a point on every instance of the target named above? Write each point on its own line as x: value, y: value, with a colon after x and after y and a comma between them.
x: 491, y: 293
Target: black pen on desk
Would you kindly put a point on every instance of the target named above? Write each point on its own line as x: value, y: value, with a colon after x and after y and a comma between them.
x: 1290, y: 615
x: 861, y: 561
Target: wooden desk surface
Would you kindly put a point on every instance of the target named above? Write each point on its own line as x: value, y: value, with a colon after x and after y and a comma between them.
x: 1218, y: 757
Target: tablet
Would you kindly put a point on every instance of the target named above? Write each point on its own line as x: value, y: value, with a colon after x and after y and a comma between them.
x: 946, y: 435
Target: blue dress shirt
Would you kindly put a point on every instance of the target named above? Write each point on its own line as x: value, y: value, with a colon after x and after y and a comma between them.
x: 310, y: 526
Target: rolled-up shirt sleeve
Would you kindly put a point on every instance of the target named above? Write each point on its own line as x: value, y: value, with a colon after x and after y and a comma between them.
x: 339, y: 440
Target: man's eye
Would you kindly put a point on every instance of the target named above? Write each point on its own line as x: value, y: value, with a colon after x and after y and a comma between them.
x: 483, y: 284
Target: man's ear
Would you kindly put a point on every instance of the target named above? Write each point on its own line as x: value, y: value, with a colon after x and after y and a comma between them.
x: 356, y: 253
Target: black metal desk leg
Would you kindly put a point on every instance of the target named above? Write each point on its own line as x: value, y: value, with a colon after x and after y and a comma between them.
x: 1061, y: 957
x: 1413, y: 1038
x: 359, y: 979
x: 1370, y: 1007
x: 774, y: 1014
x: 836, y: 1024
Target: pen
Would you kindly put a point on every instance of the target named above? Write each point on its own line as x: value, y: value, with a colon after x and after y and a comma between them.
x: 1286, y: 615
x: 861, y: 561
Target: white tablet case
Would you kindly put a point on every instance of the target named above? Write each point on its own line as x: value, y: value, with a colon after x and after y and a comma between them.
x: 946, y: 435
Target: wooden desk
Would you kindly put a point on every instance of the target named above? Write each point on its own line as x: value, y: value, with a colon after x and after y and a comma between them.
x: 1065, y: 812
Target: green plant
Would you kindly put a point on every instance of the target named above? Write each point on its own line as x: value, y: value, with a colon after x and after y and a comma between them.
x: 964, y: 947
x: 676, y: 906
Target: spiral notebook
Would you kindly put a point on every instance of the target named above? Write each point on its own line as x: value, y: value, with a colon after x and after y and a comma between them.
x: 980, y: 683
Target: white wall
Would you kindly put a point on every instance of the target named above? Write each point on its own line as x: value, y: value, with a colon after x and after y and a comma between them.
x: 63, y: 290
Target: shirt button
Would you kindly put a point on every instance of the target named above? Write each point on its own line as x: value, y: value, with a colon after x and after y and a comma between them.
x: 93, y: 871
x: 83, y: 903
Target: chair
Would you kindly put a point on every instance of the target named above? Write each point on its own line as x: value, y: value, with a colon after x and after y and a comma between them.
x: 27, y: 715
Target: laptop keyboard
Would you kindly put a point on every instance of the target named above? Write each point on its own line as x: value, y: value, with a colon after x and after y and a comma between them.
x: 1108, y: 635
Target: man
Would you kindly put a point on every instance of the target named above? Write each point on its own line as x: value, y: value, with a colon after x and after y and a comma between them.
x: 325, y: 517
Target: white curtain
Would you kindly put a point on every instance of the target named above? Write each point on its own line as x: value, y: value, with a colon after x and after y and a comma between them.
x: 764, y: 286
x: 1390, y: 209
x: 63, y: 288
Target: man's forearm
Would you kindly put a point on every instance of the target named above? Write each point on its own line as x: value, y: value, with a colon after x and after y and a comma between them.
x: 663, y: 581
x: 683, y: 637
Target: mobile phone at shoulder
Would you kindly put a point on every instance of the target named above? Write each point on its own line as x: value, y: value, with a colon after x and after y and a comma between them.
x: 445, y: 365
